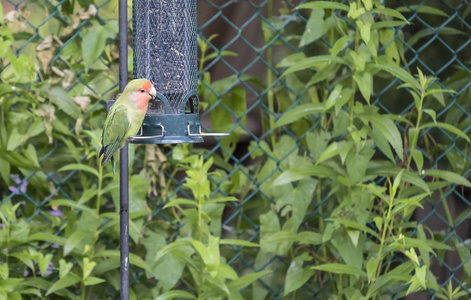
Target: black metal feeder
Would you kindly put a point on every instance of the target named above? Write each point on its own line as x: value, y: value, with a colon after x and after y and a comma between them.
x: 165, y: 52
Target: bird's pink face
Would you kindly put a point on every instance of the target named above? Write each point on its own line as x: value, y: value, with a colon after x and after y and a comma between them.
x: 144, y: 94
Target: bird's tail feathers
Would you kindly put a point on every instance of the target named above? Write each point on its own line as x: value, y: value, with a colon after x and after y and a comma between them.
x: 105, y: 157
x: 114, y: 165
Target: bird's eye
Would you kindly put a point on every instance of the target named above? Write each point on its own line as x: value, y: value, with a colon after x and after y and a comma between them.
x: 143, y: 91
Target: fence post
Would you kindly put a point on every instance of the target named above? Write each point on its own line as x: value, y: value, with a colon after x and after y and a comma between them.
x: 123, y: 162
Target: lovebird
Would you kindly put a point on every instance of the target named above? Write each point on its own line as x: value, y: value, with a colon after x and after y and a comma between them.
x: 125, y: 117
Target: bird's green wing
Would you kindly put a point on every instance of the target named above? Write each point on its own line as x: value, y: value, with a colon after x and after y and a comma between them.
x: 116, y: 126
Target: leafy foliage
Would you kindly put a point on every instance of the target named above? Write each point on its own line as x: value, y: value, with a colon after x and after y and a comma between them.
x: 326, y: 208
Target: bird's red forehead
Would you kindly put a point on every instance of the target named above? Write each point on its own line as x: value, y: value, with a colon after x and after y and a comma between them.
x: 147, y: 85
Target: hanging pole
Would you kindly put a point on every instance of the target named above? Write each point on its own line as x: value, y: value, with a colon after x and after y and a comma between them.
x: 123, y: 161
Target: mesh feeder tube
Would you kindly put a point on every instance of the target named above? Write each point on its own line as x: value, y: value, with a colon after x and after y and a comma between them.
x: 165, y: 52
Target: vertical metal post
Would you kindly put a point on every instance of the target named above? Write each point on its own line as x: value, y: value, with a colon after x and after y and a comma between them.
x: 123, y: 155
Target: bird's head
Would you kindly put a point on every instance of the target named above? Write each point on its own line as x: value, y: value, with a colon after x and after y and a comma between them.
x: 140, y: 91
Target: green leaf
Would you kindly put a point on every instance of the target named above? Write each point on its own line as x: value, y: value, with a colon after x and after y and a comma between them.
x: 396, y: 182
x: 368, y: 4
x: 309, y: 238
x: 15, y: 140
x: 344, y: 97
x: 133, y: 258
x: 464, y: 253
x: 334, y: 96
x: 219, y: 53
x: 418, y: 159
x: 313, y: 61
x: 94, y: 41
x: 4, y: 271
x: 106, y: 265
x: 64, y: 101
x: 317, y: 142
x: 91, y: 280
x: 400, y: 273
x: 238, y: 243
x: 365, y: 32
x: 354, y: 12
x: 365, y: 84
x: 221, y: 200
x: 305, y: 237
x: 390, y: 12
x: 169, y: 269
x: 387, y: 24
x: 281, y: 236
x: 340, y: 269
x: 431, y: 113
x: 409, y: 244
x: 295, y: 174
x: 423, y: 9
x: 43, y: 262
x: 351, y: 255
x: 331, y: 151
x: 315, y: 28
x: 64, y: 268
x: 240, y: 283
x: 354, y: 236
x: 74, y: 240
x: 399, y: 73
x: 63, y: 283
x: 448, y: 176
x: 79, y: 167
x: 340, y: 44
x: 447, y: 127
x: 5, y: 170
x: 87, y: 267
x: 323, y: 5
x: 387, y: 127
x: 210, y: 254
x: 357, y: 164
x: 406, y: 176
x: 175, y: 294
x: 170, y: 248
x: 8, y: 286
x: 290, y: 59
x: 180, y: 201
x: 25, y: 258
x: 299, y: 112
x: 296, y: 276
x: 47, y: 237
x: 18, y: 160
x: 382, y: 143
x: 354, y: 225
x: 73, y: 204
x: 371, y: 267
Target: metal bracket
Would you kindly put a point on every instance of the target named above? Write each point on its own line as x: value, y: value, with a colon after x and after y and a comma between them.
x: 203, y: 134
x: 140, y: 137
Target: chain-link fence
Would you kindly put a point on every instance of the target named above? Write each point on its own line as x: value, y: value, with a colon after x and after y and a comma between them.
x: 72, y: 55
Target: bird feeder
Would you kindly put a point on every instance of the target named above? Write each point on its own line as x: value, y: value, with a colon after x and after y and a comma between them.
x: 165, y: 52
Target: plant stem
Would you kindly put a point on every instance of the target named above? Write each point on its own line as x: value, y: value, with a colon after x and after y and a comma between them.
x: 415, y: 137
x: 319, y: 203
x: 200, y: 229
x: 447, y: 209
x: 351, y: 103
x: 100, y: 183
x: 270, y: 95
x: 383, y: 236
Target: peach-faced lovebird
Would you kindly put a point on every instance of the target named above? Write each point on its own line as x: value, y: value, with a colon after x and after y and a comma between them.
x: 125, y: 117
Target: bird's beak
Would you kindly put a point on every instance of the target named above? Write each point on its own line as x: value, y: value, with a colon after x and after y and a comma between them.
x: 152, y: 93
